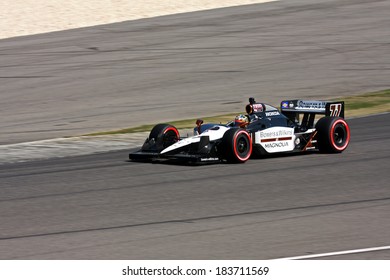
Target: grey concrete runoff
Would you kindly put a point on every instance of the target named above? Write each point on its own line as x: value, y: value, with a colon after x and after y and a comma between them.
x: 66, y: 147
x: 74, y: 146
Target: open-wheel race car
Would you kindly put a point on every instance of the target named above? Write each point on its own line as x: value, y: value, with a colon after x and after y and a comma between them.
x: 263, y: 130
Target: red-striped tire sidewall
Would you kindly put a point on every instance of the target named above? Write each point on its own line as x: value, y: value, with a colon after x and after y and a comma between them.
x: 332, y: 140
x: 242, y: 159
x: 174, y: 130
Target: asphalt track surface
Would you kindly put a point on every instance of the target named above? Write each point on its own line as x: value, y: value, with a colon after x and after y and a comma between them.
x: 190, y: 65
x: 105, y: 207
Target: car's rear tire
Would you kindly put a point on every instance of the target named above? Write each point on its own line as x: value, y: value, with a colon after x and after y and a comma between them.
x: 164, y: 135
x: 333, y: 134
x: 237, y: 145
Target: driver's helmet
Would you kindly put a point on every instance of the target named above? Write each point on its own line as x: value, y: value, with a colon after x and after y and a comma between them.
x: 241, y: 120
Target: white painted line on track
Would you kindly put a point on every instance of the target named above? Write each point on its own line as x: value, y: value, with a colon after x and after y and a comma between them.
x: 348, y: 252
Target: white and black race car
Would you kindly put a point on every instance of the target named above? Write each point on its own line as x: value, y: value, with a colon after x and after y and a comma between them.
x: 266, y: 130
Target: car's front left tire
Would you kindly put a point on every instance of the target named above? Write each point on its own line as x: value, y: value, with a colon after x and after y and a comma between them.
x: 236, y: 146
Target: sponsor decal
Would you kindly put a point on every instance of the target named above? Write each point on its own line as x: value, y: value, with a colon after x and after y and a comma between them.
x: 209, y: 159
x: 276, y: 145
x: 276, y: 139
x: 284, y: 104
x: 291, y: 105
x: 270, y: 114
x: 257, y: 107
x: 310, y: 143
x: 302, y: 104
x: 276, y: 133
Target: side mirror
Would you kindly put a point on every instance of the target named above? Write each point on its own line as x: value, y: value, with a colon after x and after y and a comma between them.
x: 199, y: 123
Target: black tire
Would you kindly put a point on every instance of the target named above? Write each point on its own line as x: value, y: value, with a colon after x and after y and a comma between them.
x: 237, y: 146
x: 333, y: 134
x: 164, y: 135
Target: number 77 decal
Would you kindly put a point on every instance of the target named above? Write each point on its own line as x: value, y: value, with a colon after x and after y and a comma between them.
x: 335, y: 110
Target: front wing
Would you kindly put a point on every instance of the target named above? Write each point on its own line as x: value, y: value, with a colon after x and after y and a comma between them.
x: 154, y: 156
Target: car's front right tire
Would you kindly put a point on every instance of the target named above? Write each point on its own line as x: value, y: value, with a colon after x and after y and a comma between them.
x: 164, y: 135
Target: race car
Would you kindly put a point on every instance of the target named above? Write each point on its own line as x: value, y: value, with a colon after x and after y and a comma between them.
x: 263, y: 130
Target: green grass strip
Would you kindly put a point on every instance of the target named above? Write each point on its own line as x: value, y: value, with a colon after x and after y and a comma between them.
x: 359, y: 105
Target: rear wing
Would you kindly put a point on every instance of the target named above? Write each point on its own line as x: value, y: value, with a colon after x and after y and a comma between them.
x: 327, y: 108
x: 310, y: 108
